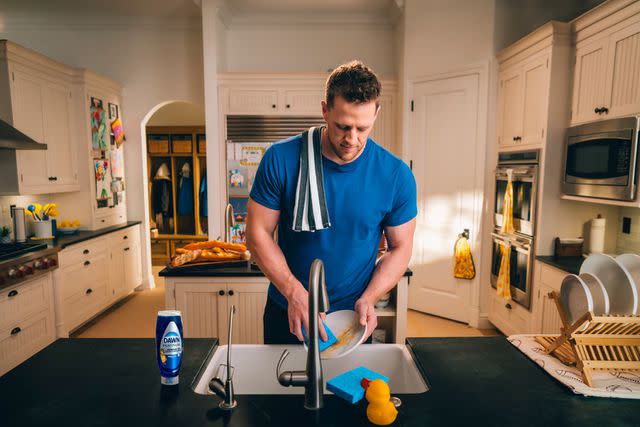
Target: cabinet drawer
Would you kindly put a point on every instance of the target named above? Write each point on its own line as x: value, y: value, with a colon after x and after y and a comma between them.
x: 514, y: 320
x: 21, y: 340
x: 552, y: 277
x: 84, y: 304
x: 82, y: 275
x: 21, y: 301
x: 81, y: 252
x: 126, y: 235
x: 113, y: 217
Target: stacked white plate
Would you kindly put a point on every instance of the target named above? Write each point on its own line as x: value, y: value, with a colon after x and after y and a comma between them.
x: 605, y: 286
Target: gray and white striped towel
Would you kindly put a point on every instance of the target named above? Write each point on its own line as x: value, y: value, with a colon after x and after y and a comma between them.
x: 310, y: 210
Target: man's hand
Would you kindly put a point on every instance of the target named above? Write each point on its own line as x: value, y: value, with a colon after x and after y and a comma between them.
x: 367, y: 315
x: 298, y: 312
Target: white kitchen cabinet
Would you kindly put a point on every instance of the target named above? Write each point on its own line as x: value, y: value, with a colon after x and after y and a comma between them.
x: 93, y: 275
x: 607, y: 66
x: 252, y: 101
x: 522, y: 102
x: 37, y: 99
x: 384, y: 129
x: 546, y: 279
x: 26, y: 321
x: 83, y: 205
x: 274, y: 100
x: 205, y: 303
x: 302, y: 101
x: 508, y: 316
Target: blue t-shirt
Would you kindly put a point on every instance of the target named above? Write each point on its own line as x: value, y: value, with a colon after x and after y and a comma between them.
x: 375, y: 190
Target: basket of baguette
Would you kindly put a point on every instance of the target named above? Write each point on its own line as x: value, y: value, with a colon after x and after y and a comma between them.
x: 212, y: 252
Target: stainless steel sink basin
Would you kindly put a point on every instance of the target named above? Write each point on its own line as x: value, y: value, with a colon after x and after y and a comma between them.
x: 255, y: 367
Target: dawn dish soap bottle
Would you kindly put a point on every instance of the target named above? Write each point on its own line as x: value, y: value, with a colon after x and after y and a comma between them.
x: 169, y: 345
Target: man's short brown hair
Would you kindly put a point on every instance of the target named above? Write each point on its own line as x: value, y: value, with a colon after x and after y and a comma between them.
x: 353, y: 81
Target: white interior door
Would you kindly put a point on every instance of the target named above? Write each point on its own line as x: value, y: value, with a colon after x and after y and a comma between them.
x: 443, y: 138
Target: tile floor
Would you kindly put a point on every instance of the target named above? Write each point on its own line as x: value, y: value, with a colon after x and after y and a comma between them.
x: 135, y: 317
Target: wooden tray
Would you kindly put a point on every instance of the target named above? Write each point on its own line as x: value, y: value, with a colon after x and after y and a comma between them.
x: 203, y: 265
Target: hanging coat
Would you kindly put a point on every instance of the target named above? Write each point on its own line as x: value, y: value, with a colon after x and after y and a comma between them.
x: 185, y: 194
x: 204, y: 206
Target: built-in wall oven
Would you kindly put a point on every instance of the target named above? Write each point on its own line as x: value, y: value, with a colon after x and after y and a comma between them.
x: 601, y: 159
x: 523, y: 168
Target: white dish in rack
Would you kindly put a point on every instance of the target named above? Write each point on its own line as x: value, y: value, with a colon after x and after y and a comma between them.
x: 619, y: 285
x: 632, y: 263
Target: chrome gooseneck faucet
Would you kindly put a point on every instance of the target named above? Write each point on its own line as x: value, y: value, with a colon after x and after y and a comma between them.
x: 311, y: 379
x: 229, y: 221
x: 225, y: 390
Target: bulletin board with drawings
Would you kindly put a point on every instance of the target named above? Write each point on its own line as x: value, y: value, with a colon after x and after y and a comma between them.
x: 107, y: 137
x: 243, y: 160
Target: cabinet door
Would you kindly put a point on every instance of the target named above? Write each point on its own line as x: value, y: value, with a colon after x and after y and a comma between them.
x: 61, y: 155
x: 383, y: 130
x: 252, y: 101
x: 27, y: 105
x: 307, y: 101
x: 117, y: 278
x: 249, y: 299
x: 204, y: 309
x: 535, y: 79
x: 131, y: 251
x: 623, y: 80
x: 589, y: 81
x: 510, y: 107
x: 550, y: 322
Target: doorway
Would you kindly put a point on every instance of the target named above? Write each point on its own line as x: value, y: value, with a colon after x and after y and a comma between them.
x: 447, y: 150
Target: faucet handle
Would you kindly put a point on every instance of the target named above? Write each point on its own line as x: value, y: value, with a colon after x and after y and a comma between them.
x: 283, y: 356
x: 290, y: 378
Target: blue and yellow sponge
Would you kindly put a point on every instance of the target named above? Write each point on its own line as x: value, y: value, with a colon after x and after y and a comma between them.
x: 348, y: 385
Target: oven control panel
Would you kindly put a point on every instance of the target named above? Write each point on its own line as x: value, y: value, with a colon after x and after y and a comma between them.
x: 23, y: 270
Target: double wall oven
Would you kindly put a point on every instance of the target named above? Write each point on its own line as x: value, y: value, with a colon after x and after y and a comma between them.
x: 523, y: 169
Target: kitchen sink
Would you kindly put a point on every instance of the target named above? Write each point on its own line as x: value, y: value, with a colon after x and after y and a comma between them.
x: 255, y: 367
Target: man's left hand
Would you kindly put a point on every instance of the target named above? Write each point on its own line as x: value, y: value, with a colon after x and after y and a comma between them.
x: 367, y: 315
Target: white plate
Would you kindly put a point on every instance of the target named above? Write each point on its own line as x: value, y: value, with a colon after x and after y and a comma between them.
x: 601, y: 305
x: 623, y: 295
x: 632, y: 263
x: 575, y: 297
x: 346, y: 326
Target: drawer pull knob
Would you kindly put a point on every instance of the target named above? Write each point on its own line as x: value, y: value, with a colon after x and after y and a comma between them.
x: 89, y: 291
x: 231, y: 293
x: 13, y: 293
x: 87, y: 263
x: 16, y: 330
x: 126, y: 249
x: 125, y: 237
x: 221, y: 293
x: 508, y: 306
x: 86, y: 251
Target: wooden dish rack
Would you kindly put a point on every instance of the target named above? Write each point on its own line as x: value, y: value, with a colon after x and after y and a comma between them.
x: 610, y: 343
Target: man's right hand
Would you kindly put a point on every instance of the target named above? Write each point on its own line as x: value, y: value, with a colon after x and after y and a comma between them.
x: 298, y: 312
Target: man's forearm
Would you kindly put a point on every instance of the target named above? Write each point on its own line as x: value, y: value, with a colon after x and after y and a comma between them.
x: 269, y: 257
x: 387, y: 273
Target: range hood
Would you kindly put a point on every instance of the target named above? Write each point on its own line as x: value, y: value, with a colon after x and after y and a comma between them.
x: 12, y: 138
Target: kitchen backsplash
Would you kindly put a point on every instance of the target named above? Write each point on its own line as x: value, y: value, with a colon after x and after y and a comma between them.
x: 629, y: 242
x: 22, y: 202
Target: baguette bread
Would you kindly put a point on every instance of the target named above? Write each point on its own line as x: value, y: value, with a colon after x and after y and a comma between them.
x: 216, y: 244
x: 185, y: 258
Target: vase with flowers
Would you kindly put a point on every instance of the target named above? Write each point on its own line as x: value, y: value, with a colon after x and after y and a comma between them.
x: 42, y: 218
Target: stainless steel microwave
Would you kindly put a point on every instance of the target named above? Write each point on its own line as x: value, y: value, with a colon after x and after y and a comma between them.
x: 601, y: 159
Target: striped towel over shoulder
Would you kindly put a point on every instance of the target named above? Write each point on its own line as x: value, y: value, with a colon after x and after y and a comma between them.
x: 310, y: 210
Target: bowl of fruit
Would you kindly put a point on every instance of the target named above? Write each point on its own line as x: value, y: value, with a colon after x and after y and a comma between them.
x: 68, y: 227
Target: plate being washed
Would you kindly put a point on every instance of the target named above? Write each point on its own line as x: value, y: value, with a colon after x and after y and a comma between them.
x: 623, y: 295
x: 346, y: 326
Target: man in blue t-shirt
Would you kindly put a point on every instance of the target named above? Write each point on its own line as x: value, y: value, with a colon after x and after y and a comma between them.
x: 367, y: 189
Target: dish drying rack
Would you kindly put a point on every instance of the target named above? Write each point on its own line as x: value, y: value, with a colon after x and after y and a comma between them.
x: 610, y: 343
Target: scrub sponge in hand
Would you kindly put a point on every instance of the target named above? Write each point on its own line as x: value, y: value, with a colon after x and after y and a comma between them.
x: 322, y: 345
x: 348, y: 385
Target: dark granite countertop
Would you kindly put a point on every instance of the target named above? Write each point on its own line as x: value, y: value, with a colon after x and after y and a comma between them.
x: 115, y: 382
x: 63, y: 241
x: 569, y: 264
x: 218, y: 271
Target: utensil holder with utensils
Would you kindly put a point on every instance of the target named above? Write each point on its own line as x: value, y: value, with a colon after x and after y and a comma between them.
x: 610, y: 343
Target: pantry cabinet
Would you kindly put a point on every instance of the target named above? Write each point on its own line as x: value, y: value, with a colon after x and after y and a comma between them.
x: 607, y: 66
x: 37, y: 98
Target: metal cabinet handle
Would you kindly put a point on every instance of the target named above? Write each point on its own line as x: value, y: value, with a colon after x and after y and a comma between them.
x: 508, y: 306
x: 86, y: 251
x: 221, y: 293
x: 125, y: 237
x: 87, y: 263
x: 88, y: 291
x: 16, y: 330
x: 288, y: 106
x: 231, y: 293
x: 273, y: 106
x: 13, y: 293
x: 598, y: 110
x: 126, y: 249
x: 605, y: 110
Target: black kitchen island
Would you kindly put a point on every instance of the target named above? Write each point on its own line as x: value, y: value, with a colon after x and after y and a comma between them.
x: 115, y: 382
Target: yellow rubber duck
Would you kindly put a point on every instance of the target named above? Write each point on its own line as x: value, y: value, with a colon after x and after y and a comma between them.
x: 380, y: 410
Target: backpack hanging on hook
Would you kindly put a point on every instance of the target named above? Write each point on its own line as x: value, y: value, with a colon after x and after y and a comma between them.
x: 463, y: 260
